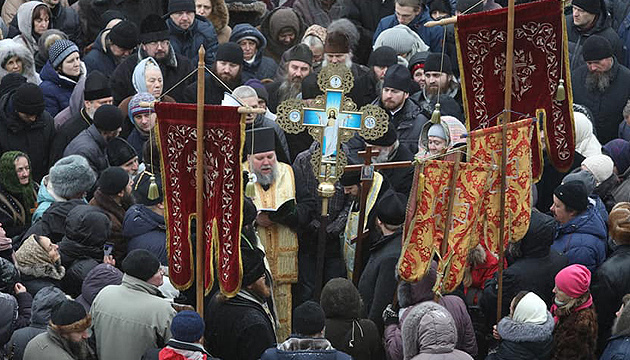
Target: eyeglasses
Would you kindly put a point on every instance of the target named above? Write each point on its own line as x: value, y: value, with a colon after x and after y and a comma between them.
x: 161, y: 43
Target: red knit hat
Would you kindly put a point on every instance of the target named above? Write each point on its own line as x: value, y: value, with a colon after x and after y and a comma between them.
x: 574, y: 280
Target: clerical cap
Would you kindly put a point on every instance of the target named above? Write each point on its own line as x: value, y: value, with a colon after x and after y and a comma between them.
x: 596, y: 48
x: 264, y: 140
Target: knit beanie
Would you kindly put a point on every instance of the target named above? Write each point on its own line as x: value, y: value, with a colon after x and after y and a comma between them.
x: 383, y: 56
x: 60, y: 50
x: 180, y: 5
x: 402, y: 39
x: 398, y: 77
x: 619, y: 223
x: 433, y: 62
x: 253, y: 265
x: 71, y: 176
x: 187, y: 326
x: 590, y: 6
x: 601, y: 166
x: 141, y: 264
x: 584, y: 176
x: 308, y: 319
x: 113, y: 180
x: 573, y: 194
x: 125, y: 34
x: 141, y: 189
x: 301, y: 52
x: 137, y: 105
x: 596, y: 47
x: 69, y: 316
x: 153, y: 28
x: 96, y: 86
x: 619, y: 151
x: 574, y: 280
x: 230, y: 52
x: 29, y: 99
x: 119, y: 151
x: 10, y: 182
x: 531, y: 309
x: 391, y: 208
x: 108, y: 118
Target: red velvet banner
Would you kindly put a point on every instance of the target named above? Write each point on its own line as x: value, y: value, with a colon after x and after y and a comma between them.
x: 222, y: 192
x: 540, y: 61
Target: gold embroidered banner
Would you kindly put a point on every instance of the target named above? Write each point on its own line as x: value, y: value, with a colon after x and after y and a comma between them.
x: 484, y: 146
x: 424, y: 233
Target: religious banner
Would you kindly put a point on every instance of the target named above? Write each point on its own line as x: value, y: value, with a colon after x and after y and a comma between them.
x: 540, y: 64
x: 222, y: 192
x: 485, y: 147
x: 424, y: 233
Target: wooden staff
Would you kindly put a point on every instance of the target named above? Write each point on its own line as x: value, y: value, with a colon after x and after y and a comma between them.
x: 200, y: 241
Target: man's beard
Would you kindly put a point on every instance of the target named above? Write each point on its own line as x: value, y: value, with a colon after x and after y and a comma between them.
x: 392, y: 106
x: 289, y: 88
x: 382, y: 157
x: 348, y: 62
x: 596, y: 80
x: 266, y: 179
x: 379, y: 86
x: 127, y: 200
x: 231, y: 81
x: 90, y: 113
x: 78, y: 349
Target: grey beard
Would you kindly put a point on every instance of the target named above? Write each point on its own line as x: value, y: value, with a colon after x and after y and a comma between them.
x: 348, y: 62
x: 599, y: 81
x: 267, y: 179
x: 382, y: 157
x: 289, y: 89
x: 379, y: 87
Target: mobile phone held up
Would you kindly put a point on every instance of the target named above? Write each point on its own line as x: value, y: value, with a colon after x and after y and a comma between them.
x: 108, y: 249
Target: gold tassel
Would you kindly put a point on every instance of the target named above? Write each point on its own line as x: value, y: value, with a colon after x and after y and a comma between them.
x: 250, y: 188
x: 560, y: 91
x: 154, y: 193
x: 435, y: 117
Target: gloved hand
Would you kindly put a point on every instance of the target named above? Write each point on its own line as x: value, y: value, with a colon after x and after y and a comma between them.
x: 390, y: 317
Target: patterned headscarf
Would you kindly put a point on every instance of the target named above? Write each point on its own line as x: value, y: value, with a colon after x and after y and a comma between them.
x: 32, y: 259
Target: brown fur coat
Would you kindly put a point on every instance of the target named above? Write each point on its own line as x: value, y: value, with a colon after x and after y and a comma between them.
x: 575, y: 336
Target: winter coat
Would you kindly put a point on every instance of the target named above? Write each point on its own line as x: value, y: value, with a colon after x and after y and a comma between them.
x: 534, y: 270
x: 602, y: 28
x: 610, y: 283
x: 116, y: 214
x: 313, y: 13
x: 67, y: 132
x: 44, y: 199
x: 618, y: 346
x: 408, y: 122
x: 551, y: 178
x: 74, y: 105
x: 174, y: 69
x: 187, y: 42
x: 98, y: 278
x: 262, y: 67
x: 52, y: 222
x: 274, y: 47
x: 377, y: 284
x: 130, y: 318
x: 429, y: 332
x: 15, y: 312
x: 66, y: 19
x: 575, y: 336
x: 10, y: 48
x: 303, y: 349
x: 583, y: 239
x: 50, y: 345
x: 100, y: 57
x: 34, y: 139
x: 92, y: 146
x: 524, y: 341
x: 237, y: 328
x: 366, y: 15
x: 25, y: 24
x: 145, y: 230
x: 42, y: 306
x: 431, y: 36
x: 57, y: 88
x: 607, y: 106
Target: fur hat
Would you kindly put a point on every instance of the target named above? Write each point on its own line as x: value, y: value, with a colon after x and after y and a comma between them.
x: 141, y: 264
x: 340, y: 299
x: 153, y: 28
x: 69, y: 316
x: 125, y: 34
x: 113, y: 180
x: 108, y: 118
x: 187, y: 326
x: 119, y: 151
x: 71, y: 176
x: 308, y: 319
x: 619, y: 223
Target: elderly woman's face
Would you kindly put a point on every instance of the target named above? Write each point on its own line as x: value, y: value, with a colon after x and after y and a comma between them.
x: 51, y: 249
x: 22, y: 170
x: 154, y: 81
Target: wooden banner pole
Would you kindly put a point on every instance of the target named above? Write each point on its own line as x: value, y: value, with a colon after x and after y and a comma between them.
x: 199, y: 240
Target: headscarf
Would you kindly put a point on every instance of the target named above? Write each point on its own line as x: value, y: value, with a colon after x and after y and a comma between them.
x: 139, y: 79
x: 531, y: 309
x: 10, y: 182
x: 586, y: 142
x: 32, y: 259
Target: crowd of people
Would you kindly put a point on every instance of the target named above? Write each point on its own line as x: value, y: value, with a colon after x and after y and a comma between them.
x: 83, y: 237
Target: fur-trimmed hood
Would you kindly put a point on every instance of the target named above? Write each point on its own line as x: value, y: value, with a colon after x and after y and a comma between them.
x: 10, y: 48
x: 248, y: 11
x: 220, y: 16
x: 526, y: 332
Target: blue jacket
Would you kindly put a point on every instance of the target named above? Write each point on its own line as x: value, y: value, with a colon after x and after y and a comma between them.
x: 263, y: 67
x: 187, y: 42
x: 296, y: 348
x: 618, y: 348
x: 431, y: 36
x: 56, y: 88
x: 583, y: 239
x: 145, y: 230
x: 99, y: 58
x: 44, y: 200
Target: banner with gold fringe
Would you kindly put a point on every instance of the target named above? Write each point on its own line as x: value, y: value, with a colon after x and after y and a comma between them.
x: 223, y: 139
x: 540, y: 64
x: 427, y: 214
x: 484, y: 146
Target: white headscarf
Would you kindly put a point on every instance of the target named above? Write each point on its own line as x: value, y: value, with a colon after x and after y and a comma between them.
x: 531, y: 309
x: 585, y: 141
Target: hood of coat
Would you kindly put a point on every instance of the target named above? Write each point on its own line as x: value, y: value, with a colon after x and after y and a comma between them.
x: 43, y: 302
x: 50, y: 74
x: 140, y: 220
x: 100, y: 276
x: 10, y: 48
x: 539, y: 236
x: 88, y: 225
x: 242, y: 30
x: 25, y: 20
x: 429, y: 328
x: 526, y: 332
x: 54, y: 218
x: 271, y: 26
x: 413, y: 293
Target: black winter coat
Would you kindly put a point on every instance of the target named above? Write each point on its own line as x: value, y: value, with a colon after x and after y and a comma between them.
x: 408, y: 122
x: 34, y: 139
x: 100, y: 58
x: 67, y: 132
x: 92, y: 146
x: 366, y: 15
x: 52, y: 222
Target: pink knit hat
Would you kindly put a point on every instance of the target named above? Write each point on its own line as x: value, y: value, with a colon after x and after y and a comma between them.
x: 574, y: 280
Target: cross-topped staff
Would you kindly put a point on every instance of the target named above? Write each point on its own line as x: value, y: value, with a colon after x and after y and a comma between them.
x: 333, y: 121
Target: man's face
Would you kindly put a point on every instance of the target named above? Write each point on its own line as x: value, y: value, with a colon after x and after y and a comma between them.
x: 131, y: 166
x: 420, y: 78
x: 560, y: 212
x: 119, y: 53
x: 253, y: 103
x: 227, y: 71
x: 158, y: 278
x: 582, y: 18
x: 297, y: 70
x: 406, y: 14
x: 263, y: 163
x: 27, y: 118
x: 286, y: 37
x: 336, y: 58
x: 23, y: 170
x: 352, y: 191
x: 92, y: 105
x: 183, y: 19
x: 600, y: 66
x: 249, y: 48
x: 393, y: 98
x: 157, y: 49
x: 145, y: 121
x: 77, y: 336
x: 436, y: 145
x: 436, y: 81
x: 383, y: 154
x: 379, y: 71
x: 260, y: 287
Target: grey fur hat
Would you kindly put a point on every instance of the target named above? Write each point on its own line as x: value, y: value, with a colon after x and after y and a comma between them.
x: 71, y: 176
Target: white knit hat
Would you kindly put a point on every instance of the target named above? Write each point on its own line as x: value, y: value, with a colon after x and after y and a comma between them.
x: 402, y: 39
x: 601, y: 166
x: 531, y: 309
